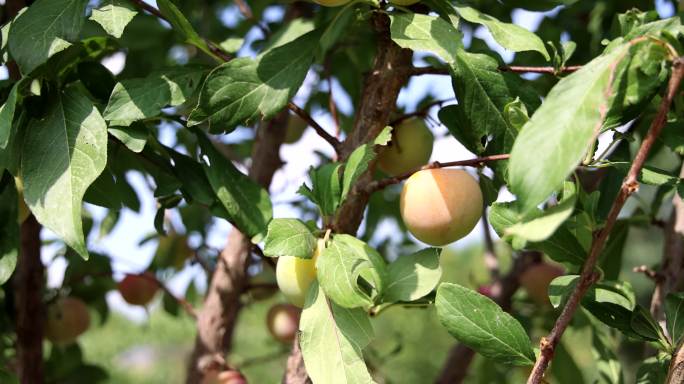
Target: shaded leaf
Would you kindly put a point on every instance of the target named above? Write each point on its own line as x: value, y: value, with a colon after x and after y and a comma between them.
x: 413, y: 276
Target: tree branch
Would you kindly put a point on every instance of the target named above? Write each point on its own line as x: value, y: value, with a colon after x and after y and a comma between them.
x: 304, y: 115
x: 30, y: 311
x: 629, y: 186
x: 418, y: 71
x: 476, y: 162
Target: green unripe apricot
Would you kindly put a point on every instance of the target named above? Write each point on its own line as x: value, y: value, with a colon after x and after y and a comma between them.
x: 411, y: 147
x: 294, y: 275
x: 331, y: 3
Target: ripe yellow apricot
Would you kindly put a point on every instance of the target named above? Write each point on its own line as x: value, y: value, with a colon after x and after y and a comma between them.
x: 404, y: 3
x: 67, y: 318
x: 294, y: 275
x: 440, y: 206
x: 295, y: 129
x: 411, y: 147
x: 331, y: 3
x: 536, y: 280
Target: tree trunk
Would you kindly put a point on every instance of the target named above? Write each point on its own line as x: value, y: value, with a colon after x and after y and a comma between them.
x: 380, y: 91
x: 28, y: 291
x: 217, y: 318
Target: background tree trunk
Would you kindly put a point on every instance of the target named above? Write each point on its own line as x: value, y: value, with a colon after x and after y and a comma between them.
x: 217, y: 318
x: 28, y: 292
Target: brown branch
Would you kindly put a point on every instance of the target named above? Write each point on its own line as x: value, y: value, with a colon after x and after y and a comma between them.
x: 418, y: 71
x: 460, y: 356
x: 629, y: 186
x: 30, y: 310
x: 675, y: 373
x: 671, y: 269
x: 476, y: 162
x: 187, y: 307
x: 304, y: 115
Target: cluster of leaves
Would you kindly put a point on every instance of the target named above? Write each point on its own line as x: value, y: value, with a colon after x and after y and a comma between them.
x: 70, y: 131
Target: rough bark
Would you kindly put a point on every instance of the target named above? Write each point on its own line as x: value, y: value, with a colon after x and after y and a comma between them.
x: 217, y: 318
x: 380, y: 91
x: 28, y: 290
x: 669, y: 276
x: 458, y: 360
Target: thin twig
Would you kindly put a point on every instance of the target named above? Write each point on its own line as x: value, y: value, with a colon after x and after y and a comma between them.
x: 317, y: 127
x: 247, y: 13
x: 476, y: 162
x: 629, y: 186
x: 189, y: 309
x: 418, y: 71
x: 213, y: 47
x: 422, y: 112
x: 549, y: 70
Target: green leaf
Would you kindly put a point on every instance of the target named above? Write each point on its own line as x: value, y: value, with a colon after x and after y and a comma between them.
x: 653, y: 370
x: 176, y: 18
x: 137, y: 99
x: 332, y: 339
x: 645, y: 325
x: 63, y: 154
x: 674, y: 315
x: 247, y: 204
x: 510, y: 36
x: 479, y: 121
x: 195, y: 182
x: 562, y: 246
x: 575, y: 108
x: 113, y: 16
x: 7, y: 115
x: 542, y: 227
x: 425, y: 33
x: 478, y: 322
x: 412, y: 277
x: 47, y: 27
x: 289, y: 237
x: 341, y: 265
x: 9, y: 230
x: 133, y: 137
x: 326, y: 189
x: 245, y: 90
x: 358, y: 161
x: 560, y: 288
x: 608, y: 364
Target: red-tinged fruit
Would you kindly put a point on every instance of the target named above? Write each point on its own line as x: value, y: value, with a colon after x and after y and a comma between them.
x: 223, y: 377
x: 138, y: 289
x: 67, y: 318
x: 536, y: 280
x: 283, y: 322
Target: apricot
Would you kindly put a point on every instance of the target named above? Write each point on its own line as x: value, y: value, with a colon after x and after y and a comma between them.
x: 223, y: 377
x: 295, y: 129
x: 411, y: 147
x: 536, y: 280
x: 67, y: 318
x: 440, y: 206
x: 331, y: 3
x: 283, y: 321
x: 294, y: 275
x: 138, y: 289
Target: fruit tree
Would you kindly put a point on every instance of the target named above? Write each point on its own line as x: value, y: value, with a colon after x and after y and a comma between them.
x: 403, y: 191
